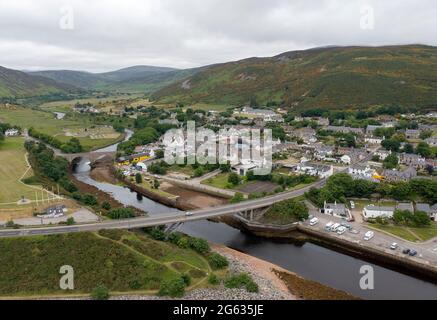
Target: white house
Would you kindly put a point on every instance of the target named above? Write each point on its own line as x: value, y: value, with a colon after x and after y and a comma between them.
x: 336, y: 209
x: 361, y: 172
x: 374, y: 140
x: 316, y: 170
x: 346, y: 159
x: 373, y: 211
x: 382, y: 154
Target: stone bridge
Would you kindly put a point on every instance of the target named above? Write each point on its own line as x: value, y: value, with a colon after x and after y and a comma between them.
x: 92, y: 156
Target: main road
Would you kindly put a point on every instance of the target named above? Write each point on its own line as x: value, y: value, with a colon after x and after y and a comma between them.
x: 166, y: 218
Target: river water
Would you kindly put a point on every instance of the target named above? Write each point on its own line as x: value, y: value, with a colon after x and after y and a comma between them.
x: 310, y: 261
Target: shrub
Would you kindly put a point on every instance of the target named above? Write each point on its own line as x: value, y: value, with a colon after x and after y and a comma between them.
x: 238, y: 197
x: 172, y: 288
x: 138, y: 178
x: 121, y: 213
x: 89, y: 200
x: 187, y: 279
x: 100, y: 293
x: 217, y: 261
x: 71, y: 221
x: 106, y: 205
x: 241, y: 280
x: 213, y: 279
x: 199, y: 245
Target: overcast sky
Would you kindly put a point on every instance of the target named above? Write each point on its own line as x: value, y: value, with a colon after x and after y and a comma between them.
x: 102, y: 35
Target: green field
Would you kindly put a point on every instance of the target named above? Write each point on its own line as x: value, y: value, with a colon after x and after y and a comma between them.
x: 219, y: 181
x: 120, y: 260
x: 47, y: 123
x: 410, y: 234
x: 14, y: 166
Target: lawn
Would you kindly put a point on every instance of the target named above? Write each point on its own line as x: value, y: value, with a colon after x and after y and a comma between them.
x: 14, y: 166
x: 47, y: 123
x: 219, y: 181
x: 410, y: 234
x: 120, y: 260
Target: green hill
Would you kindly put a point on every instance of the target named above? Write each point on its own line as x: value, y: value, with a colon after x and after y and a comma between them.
x: 332, y: 77
x: 120, y: 260
x: 131, y: 79
x: 17, y: 84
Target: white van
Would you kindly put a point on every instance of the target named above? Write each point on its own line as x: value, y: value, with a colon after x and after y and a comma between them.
x: 314, y: 221
x: 369, y: 235
x: 329, y: 226
x: 352, y: 205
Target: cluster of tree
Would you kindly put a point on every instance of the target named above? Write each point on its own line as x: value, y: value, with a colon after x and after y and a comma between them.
x: 391, y: 162
x: 158, y: 168
x: 72, y: 146
x: 289, y: 210
x: 139, y: 138
x: 341, y: 186
x: 45, y: 163
x: 121, y: 213
x: 408, y: 218
x: 241, y: 281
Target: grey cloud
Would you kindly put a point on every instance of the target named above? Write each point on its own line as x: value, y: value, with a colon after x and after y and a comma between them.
x: 110, y: 34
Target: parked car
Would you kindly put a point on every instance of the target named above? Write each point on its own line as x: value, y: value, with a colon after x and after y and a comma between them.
x: 412, y: 253
x: 314, y: 221
x: 352, y: 205
x: 329, y: 226
x: 341, y: 230
x: 406, y: 251
x: 188, y: 214
x: 394, y: 246
x: 335, y: 227
x: 346, y: 225
x: 369, y: 235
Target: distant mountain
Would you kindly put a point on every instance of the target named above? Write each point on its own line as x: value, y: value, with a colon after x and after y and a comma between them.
x: 17, y: 84
x: 331, y: 77
x: 119, y: 79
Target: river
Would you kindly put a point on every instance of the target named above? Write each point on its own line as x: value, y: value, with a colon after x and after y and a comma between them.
x: 310, y: 261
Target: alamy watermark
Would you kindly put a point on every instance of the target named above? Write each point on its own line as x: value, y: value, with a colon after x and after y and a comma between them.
x: 250, y: 148
x: 66, y: 22
x: 367, y: 281
x: 67, y: 280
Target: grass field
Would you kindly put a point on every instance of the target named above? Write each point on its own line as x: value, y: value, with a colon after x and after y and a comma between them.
x: 47, y: 123
x: 410, y: 234
x: 219, y: 181
x: 120, y: 260
x: 13, y: 167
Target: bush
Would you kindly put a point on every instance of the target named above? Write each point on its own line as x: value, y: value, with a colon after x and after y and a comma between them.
x: 138, y: 178
x: 234, y: 179
x: 172, y: 288
x: 106, y: 205
x: 187, y: 279
x: 241, y: 280
x: 100, y: 293
x: 70, y: 221
x: 213, y: 279
x: 157, y: 234
x: 217, y: 261
x: 238, y: 197
x: 121, y: 213
x: 89, y: 200
x: 199, y: 245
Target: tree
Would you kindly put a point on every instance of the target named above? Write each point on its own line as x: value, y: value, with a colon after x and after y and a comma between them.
x: 423, y: 149
x: 199, y: 245
x: 238, y: 197
x: 156, y: 184
x: 234, y: 179
x: 70, y: 221
x: 106, y: 205
x: 100, y: 293
x: 172, y: 288
x: 217, y: 261
x: 139, y: 178
x: 408, y: 148
x: 121, y: 213
x: 391, y: 162
x: 430, y: 169
x: 391, y: 144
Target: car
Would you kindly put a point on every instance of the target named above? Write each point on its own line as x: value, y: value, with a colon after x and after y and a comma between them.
x: 412, y: 253
x: 335, y: 227
x: 369, y: 235
x: 406, y: 251
x: 329, y: 226
x: 341, y: 230
x: 188, y: 214
x: 394, y: 246
x: 310, y: 217
x: 346, y: 225
x: 314, y: 221
x: 352, y: 205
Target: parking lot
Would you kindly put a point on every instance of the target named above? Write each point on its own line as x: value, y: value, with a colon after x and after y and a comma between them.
x: 426, y: 251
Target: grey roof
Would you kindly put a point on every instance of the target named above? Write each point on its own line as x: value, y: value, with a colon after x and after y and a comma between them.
x: 405, y: 206
x: 424, y: 207
x: 379, y: 208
